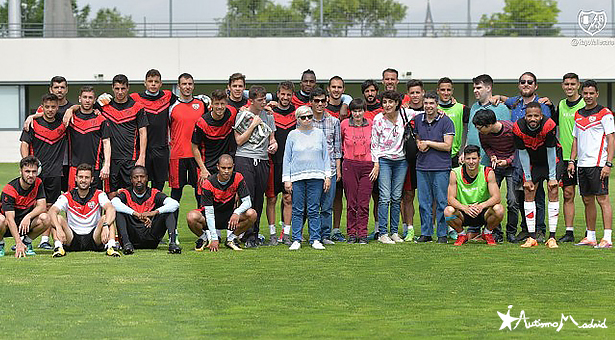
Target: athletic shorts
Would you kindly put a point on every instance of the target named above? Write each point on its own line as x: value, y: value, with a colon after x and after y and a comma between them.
x: 590, y: 183
x: 97, y: 183
x: 18, y: 220
x: 410, y: 181
x: 562, y: 174
x: 455, y: 161
x: 119, y: 176
x: 157, y: 164
x: 539, y: 174
x: 222, y: 217
x: 84, y: 243
x: 274, y: 182
x: 183, y: 171
x: 52, y: 187
x: 477, y: 221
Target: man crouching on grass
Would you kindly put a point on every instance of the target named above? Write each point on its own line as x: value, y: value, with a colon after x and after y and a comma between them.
x: 144, y: 215
x: 84, y: 227
x: 218, y: 208
x: 473, y: 197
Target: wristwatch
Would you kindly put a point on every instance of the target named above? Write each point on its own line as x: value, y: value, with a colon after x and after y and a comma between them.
x: 609, y: 164
x: 105, y: 224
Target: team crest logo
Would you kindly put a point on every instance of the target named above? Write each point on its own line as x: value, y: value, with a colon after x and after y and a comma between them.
x: 592, y: 119
x: 592, y: 22
x: 91, y: 205
x: 196, y: 106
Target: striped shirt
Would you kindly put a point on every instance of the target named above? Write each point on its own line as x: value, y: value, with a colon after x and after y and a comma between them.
x: 500, y: 144
x: 330, y: 126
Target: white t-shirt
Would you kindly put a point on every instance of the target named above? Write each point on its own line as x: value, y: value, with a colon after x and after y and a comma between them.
x: 590, y: 129
x: 82, y: 216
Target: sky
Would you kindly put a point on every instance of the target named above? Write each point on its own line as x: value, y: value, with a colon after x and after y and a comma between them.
x: 442, y: 10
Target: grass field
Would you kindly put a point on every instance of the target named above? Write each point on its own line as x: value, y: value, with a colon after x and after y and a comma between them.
x: 348, y: 291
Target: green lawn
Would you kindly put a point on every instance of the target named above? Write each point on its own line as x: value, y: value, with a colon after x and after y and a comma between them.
x: 348, y: 291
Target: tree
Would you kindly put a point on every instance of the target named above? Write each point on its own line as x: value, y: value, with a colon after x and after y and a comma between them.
x: 259, y: 18
x: 522, y: 18
x: 111, y: 23
x: 370, y: 17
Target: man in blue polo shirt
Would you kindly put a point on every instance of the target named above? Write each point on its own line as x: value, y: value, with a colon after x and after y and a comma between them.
x: 434, y: 133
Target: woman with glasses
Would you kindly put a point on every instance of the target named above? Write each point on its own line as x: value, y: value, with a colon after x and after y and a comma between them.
x: 359, y: 172
x: 390, y: 164
x: 306, y: 173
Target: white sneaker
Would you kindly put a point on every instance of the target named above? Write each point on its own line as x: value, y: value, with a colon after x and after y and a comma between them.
x: 295, y: 246
x: 317, y: 245
x: 385, y: 239
x: 327, y: 241
x: 395, y: 238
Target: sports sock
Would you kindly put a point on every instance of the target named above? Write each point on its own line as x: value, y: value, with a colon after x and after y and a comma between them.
x: 487, y: 231
x: 553, y: 208
x: 205, y: 235
x: 57, y: 243
x: 111, y: 243
x: 27, y: 240
x: 591, y: 235
x: 230, y: 237
x: 569, y: 229
x: 44, y: 239
x: 335, y: 231
x: 530, y: 217
x: 607, y: 235
x: 287, y: 229
x: 272, y: 230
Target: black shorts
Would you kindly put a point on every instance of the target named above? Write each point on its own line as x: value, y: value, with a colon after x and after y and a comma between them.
x: 157, y: 164
x: 119, y: 176
x: 590, y: 183
x: 222, y: 217
x: 84, y: 243
x: 562, y: 174
x: 142, y: 237
x: 182, y: 172
x: 477, y: 221
x: 539, y: 174
x: 52, y: 187
x: 274, y: 182
x: 18, y: 220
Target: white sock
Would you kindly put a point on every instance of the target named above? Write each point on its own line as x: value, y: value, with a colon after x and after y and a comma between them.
x: 487, y: 231
x: 569, y: 228
x: 450, y: 229
x: 410, y: 227
x: 607, y: 235
x: 57, y: 244
x: 272, y: 230
x: 553, y: 215
x: 205, y: 235
x: 230, y: 236
x: 44, y: 239
x: 591, y: 235
x: 287, y: 229
x: 27, y: 240
x: 530, y: 216
x: 111, y: 243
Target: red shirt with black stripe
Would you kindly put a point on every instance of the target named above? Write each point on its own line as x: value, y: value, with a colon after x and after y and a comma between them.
x: 285, y: 122
x: 215, y: 137
x: 151, y: 200
x: 536, y: 141
x: 372, y: 110
x: 237, y: 105
x: 334, y: 110
x: 47, y: 141
x: 183, y: 117
x: 299, y: 99
x: 124, y: 120
x: 21, y: 201
x: 85, y: 139
x: 222, y: 196
x: 157, y: 110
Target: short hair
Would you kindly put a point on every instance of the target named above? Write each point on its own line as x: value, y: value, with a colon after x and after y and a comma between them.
x: 484, y: 117
x: 84, y: 167
x: 431, y: 95
x: 256, y: 91
x: 316, y: 92
x: 301, y: 110
x: 237, y: 76
x: 137, y: 168
x: 185, y: 76
x: 471, y: 149
x: 308, y: 71
x: 366, y: 84
x: 287, y: 85
x: 49, y: 97
x: 533, y: 105
x: 444, y: 80
x: 120, y: 79
x: 29, y: 161
x: 413, y: 83
x: 590, y: 83
x: 528, y: 73
x: 392, y: 95
x: 390, y: 70
x: 570, y: 75
x: 57, y: 79
x: 153, y: 73
x: 484, y: 79
x: 86, y: 88
x: 357, y: 104
x: 218, y: 95
x: 337, y: 78
x: 226, y: 156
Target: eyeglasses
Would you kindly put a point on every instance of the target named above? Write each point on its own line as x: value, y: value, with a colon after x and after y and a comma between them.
x: 306, y: 117
x: 319, y: 100
x: 529, y: 82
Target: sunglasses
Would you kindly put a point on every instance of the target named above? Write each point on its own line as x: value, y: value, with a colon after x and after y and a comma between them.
x: 319, y: 100
x: 529, y: 82
x: 306, y: 117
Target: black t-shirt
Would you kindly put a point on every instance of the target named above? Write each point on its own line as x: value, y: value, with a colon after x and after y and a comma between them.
x: 21, y: 201
x: 124, y: 120
x: 215, y: 137
x: 150, y: 201
x: 47, y: 141
x: 157, y: 110
x: 237, y: 105
x: 285, y: 122
x: 85, y: 135
x: 222, y: 196
x: 535, y: 142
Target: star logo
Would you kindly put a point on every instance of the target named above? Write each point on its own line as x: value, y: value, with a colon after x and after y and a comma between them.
x: 507, y: 320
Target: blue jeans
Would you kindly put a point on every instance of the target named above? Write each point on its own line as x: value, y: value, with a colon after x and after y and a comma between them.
x: 432, y: 187
x: 326, y: 207
x: 306, y: 195
x: 390, y: 183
